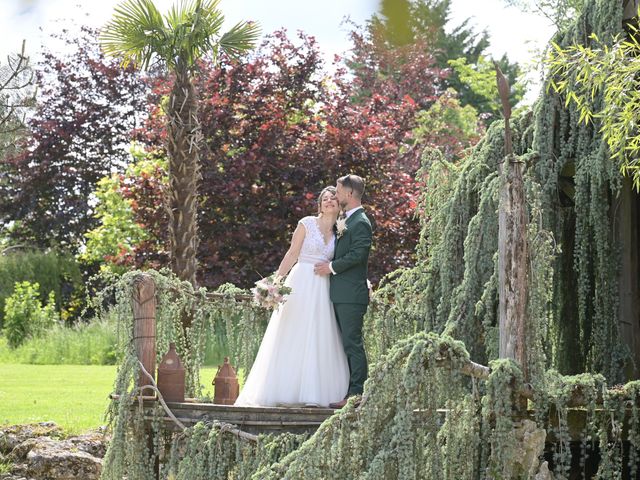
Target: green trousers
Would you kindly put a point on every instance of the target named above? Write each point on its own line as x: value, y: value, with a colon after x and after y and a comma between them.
x: 350, y: 317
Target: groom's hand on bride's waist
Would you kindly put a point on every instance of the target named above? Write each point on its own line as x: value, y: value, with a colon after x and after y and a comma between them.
x: 322, y: 268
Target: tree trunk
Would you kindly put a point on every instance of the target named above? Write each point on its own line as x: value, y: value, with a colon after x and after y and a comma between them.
x: 512, y: 246
x: 513, y: 262
x: 627, y: 218
x: 183, y: 142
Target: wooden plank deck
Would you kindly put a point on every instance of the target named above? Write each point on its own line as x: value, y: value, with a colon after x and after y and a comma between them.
x: 264, y: 420
x: 254, y: 420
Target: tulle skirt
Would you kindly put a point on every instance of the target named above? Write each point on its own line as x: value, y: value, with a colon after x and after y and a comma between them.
x: 301, y: 359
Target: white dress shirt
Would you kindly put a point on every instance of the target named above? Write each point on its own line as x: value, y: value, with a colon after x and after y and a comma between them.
x: 348, y: 213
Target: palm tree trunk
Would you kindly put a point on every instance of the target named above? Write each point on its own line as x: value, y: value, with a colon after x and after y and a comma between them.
x: 183, y: 142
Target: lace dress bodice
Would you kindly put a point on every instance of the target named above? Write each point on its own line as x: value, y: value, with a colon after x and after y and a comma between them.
x: 314, y: 249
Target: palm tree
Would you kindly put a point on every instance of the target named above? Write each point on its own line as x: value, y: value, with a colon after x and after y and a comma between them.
x: 139, y: 34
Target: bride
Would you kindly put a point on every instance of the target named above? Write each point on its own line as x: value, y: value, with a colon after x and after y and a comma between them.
x: 301, y: 361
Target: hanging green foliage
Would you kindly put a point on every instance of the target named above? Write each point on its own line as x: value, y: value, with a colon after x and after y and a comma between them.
x: 422, y: 415
x: 228, y: 312
x: 211, y: 451
x: 571, y: 187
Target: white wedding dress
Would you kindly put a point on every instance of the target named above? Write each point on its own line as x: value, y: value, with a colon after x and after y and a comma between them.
x: 301, y: 360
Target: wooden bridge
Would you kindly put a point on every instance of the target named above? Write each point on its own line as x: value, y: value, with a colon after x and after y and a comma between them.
x: 251, y: 421
x: 254, y: 420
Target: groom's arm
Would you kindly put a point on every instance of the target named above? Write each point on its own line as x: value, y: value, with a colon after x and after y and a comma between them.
x: 359, y: 251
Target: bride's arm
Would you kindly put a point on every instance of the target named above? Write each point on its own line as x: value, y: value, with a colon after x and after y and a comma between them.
x: 291, y: 257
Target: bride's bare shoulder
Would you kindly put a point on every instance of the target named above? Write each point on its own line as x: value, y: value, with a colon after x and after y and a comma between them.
x: 305, y: 221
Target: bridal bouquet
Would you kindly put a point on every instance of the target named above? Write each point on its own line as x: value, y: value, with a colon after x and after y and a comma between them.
x: 270, y: 292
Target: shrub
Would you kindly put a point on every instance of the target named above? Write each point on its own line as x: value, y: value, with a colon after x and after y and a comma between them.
x: 24, y: 314
x: 53, y: 271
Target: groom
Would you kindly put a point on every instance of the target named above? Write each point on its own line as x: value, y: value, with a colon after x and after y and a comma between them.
x: 349, y: 292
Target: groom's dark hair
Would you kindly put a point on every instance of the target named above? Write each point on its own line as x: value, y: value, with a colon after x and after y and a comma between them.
x: 354, y: 182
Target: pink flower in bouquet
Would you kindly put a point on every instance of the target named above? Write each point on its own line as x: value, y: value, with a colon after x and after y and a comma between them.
x: 270, y: 292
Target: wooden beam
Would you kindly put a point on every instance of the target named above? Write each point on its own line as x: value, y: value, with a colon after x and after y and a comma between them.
x: 626, y: 217
x: 144, y: 325
x: 630, y: 9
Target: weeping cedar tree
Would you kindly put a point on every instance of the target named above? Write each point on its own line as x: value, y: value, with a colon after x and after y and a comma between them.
x: 138, y: 33
x: 572, y: 326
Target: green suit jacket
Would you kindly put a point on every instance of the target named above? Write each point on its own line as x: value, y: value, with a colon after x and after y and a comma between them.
x: 349, y: 283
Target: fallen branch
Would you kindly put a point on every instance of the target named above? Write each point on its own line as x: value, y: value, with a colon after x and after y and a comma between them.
x: 154, y: 387
x: 476, y: 370
x: 229, y: 428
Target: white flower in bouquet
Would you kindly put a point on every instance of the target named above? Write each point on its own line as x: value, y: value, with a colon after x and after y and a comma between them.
x: 270, y: 292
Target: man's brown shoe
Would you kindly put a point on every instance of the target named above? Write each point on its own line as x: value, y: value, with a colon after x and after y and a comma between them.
x: 338, y: 405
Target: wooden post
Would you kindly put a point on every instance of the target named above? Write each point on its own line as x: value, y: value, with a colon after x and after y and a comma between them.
x: 144, y: 324
x: 630, y: 9
x: 512, y: 247
x: 512, y: 260
x: 627, y: 226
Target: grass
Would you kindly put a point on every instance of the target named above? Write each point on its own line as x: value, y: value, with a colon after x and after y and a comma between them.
x: 93, y: 343
x: 73, y: 396
x: 65, y: 376
x: 86, y: 344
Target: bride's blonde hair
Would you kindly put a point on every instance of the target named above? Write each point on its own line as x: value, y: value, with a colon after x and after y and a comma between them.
x: 330, y: 189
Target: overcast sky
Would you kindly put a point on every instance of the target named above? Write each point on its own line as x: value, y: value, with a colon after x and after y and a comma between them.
x: 510, y: 31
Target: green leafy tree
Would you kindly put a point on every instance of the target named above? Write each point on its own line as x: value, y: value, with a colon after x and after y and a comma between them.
x: 480, y: 80
x: 117, y: 231
x: 113, y: 242
x: 139, y: 34
x: 602, y: 80
x: 447, y: 126
x: 405, y: 22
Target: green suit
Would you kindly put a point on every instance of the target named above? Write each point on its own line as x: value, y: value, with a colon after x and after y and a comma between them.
x: 350, y: 294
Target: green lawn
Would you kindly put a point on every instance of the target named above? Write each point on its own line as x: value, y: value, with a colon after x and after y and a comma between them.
x: 73, y: 396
